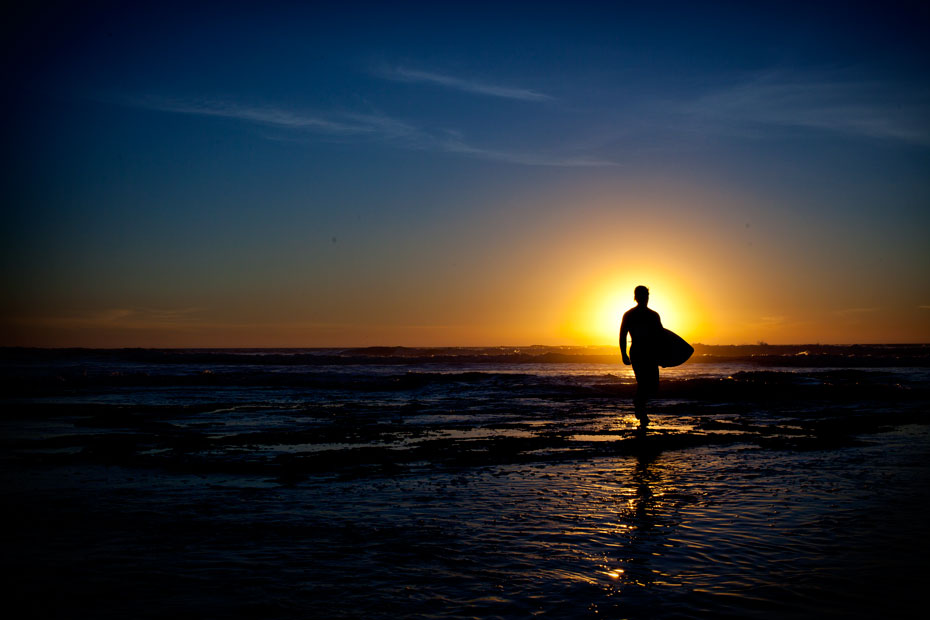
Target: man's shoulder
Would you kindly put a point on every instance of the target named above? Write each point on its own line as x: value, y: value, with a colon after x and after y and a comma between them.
x: 641, y: 315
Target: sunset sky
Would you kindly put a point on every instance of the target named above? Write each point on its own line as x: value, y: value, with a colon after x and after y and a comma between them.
x: 272, y: 174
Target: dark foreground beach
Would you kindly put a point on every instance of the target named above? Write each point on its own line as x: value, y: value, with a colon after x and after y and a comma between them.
x: 774, y: 482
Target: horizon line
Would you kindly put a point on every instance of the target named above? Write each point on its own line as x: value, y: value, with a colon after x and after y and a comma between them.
x: 456, y: 346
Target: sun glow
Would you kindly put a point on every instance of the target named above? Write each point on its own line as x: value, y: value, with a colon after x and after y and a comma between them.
x: 594, y: 318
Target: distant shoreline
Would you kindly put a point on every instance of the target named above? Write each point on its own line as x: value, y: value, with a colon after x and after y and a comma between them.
x: 739, y: 348
x: 811, y: 356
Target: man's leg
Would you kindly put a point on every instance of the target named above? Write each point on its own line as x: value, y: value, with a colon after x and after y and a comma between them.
x: 647, y: 385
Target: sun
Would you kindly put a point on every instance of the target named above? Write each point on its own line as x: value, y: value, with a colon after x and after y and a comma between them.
x: 594, y: 317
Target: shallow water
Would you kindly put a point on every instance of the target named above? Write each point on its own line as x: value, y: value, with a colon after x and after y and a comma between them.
x: 449, y: 492
x: 729, y: 530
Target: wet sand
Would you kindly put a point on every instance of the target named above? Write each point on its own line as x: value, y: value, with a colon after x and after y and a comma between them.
x: 466, y: 494
x: 567, y: 521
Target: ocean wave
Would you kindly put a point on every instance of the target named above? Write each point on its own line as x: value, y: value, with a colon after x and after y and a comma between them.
x: 812, y: 356
x: 758, y: 385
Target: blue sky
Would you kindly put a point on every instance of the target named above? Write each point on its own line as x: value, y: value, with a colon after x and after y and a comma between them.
x: 275, y: 173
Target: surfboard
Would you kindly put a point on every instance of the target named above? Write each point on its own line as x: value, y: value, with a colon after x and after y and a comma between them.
x: 673, y: 350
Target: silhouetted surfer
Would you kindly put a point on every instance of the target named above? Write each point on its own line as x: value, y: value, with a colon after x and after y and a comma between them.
x: 645, y: 326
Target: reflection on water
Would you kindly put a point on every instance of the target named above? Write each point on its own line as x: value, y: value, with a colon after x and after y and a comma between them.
x: 433, y: 490
x: 644, y: 520
x: 707, y: 531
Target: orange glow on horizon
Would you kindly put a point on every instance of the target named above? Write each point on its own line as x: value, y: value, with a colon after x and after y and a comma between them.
x: 594, y: 319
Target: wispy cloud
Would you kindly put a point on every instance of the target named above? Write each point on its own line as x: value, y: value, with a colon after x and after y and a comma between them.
x: 404, y: 74
x: 828, y: 101
x: 854, y: 316
x: 763, y: 323
x: 121, y: 318
x: 361, y: 127
x: 265, y: 115
x: 525, y: 158
x: 772, y: 320
x: 850, y: 312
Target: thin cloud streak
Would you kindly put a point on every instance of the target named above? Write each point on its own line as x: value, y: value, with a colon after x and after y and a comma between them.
x: 825, y: 102
x: 122, y: 318
x: 527, y: 159
x: 264, y: 115
x: 854, y: 311
x: 403, y: 74
x: 362, y: 126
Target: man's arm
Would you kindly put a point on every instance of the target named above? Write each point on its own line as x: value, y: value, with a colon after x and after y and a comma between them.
x: 624, y: 330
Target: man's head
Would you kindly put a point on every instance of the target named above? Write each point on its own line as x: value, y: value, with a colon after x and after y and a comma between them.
x: 641, y: 294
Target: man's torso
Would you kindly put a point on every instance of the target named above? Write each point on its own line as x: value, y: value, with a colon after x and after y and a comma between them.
x: 645, y: 327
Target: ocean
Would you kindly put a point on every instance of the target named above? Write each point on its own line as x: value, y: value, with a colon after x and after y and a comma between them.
x: 504, y: 482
